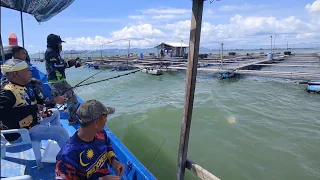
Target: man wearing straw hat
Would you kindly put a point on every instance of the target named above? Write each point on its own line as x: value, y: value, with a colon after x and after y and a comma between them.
x: 19, y: 107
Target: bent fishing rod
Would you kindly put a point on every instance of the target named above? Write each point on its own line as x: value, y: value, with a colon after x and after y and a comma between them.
x: 79, y: 84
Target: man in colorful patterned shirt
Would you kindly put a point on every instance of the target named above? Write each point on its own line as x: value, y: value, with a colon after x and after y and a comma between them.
x: 88, y: 152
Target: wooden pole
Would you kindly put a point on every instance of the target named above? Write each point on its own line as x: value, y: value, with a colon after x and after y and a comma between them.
x: 22, y: 31
x: 195, y: 31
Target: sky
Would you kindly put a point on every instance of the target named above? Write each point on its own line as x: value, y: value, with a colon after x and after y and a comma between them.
x: 236, y: 23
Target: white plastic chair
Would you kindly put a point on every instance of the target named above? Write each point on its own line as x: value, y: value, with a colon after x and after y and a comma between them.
x: 25, y: 139
x: 24, y: 177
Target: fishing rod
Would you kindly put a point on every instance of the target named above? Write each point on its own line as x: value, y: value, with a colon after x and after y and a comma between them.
x: 83, y: 81
x: 79, y: 84
x: 109, y: 78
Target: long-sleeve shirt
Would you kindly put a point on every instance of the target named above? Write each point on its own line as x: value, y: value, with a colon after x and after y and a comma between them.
x: 85, y: 160
x: 18, y: 108
x: 55, y: 66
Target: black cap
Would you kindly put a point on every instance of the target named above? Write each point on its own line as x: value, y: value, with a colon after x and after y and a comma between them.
x: 54, y: 38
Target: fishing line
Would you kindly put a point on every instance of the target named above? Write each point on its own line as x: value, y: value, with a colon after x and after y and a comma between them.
x: 79, y: 84
x: 108, y: 78
x: 147, y: 152
x: 157, y: 152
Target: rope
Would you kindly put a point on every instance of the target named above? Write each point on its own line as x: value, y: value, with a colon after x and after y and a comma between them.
x: 107, y: 79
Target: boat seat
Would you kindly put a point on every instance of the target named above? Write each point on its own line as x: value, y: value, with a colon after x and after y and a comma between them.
x: 25, y: 139
x: 25, y: 177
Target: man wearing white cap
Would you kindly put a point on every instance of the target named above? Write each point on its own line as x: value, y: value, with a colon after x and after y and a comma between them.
x: 19, y: 109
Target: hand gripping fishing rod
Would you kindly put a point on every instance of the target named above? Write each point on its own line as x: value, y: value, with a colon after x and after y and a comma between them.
x: 79, y: 84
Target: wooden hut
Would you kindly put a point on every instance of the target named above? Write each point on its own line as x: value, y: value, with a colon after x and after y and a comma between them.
x: 178, y: 49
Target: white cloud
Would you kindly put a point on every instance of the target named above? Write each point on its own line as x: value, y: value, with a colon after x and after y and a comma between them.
x: 166, y: 11
x: 141, y: 35
x: 98, y: 20
x: 164, y: 16
x: 139, y: 17
x: 314, y: 7
x: 307, y: 35
x: 173, y: 25
x: 138, y: 31
x: 242, y: 7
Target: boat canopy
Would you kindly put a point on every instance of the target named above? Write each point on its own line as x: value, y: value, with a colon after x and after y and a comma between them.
x: 42, y: 10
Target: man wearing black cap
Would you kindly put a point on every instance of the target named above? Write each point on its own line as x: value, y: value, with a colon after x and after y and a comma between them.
x: 55, y: 67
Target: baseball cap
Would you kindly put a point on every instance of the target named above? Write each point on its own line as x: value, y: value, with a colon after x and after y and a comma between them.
x: 54, y: 38
x: 91, y: 110
x: 13, y: 65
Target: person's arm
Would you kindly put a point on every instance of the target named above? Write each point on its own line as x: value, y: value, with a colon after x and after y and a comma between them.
x: 111, y: 155
x: 7, y: 101
x: 65, y: 170
x: 55, y: 100
x: 113, y: 161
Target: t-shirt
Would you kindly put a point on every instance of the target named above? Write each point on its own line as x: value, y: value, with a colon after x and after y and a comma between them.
x: 85, y: 160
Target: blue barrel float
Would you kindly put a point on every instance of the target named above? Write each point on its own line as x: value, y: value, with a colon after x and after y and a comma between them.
x: 141, y: 55
x: 270, y: 56
x: 314, y: 86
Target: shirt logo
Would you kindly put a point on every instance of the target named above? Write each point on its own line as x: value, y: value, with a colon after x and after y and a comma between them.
x: 89, y: 156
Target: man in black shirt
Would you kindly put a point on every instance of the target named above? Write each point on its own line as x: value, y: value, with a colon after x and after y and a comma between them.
x: 19, y: 107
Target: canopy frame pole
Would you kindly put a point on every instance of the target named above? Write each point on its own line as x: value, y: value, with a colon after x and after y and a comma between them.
x: 1, y: 45
x: 22, y: 31
x: 195, y: 32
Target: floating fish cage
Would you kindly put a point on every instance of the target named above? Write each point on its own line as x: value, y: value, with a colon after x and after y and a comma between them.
x: 232, y: 53
x: 313, y: 86
x: 226, y: 75
x: 91, y: 66
x: 287, y: 53
x: 156, y: 72
x: 121, y: 68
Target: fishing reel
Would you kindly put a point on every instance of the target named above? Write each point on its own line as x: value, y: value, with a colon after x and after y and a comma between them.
x: 46, y: 113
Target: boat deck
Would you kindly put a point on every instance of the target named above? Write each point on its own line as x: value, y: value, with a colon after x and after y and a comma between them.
x: 20, y: 160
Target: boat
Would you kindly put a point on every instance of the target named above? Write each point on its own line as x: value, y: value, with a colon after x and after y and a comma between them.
x: 224, y: 75
x: 88, y: 65
x: 313, y: 86
x: 18, y: 162
x: 156, y: 72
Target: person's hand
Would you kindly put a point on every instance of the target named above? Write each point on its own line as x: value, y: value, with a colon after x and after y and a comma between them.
x: 78, y: 64
x: 109, y: 177
x: 60, y: 100
x: 72, y: 62
x: 40, y: 107
x: 119, y: 167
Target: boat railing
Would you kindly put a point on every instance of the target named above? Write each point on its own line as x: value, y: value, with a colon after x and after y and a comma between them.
x: 200, y: 171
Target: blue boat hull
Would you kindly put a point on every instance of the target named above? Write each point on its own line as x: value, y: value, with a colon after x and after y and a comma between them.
x: 21, y: 161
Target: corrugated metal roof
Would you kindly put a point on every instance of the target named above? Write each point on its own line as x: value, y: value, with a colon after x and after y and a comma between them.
x: 174, y: 44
